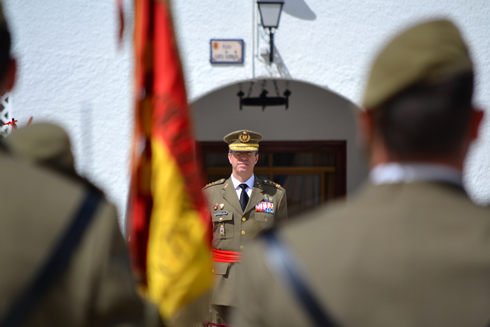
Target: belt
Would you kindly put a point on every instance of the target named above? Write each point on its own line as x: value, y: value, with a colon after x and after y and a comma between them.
x: 226, y: 256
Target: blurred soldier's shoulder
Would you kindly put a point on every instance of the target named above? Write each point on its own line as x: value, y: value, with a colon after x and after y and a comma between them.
x: 37, y: 205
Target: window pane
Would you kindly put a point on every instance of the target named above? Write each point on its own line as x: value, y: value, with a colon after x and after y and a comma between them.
x: 303, y: 191
x: 312, y: 159
x: 263, y: 159
x: 216, y: 159
x: 214, y: 178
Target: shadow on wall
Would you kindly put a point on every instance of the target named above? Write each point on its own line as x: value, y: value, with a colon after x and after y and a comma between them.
x: 314, y: 114
x: 299, y: 9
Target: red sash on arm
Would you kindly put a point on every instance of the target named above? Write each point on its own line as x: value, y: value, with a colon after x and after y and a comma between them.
x: 226, y: 256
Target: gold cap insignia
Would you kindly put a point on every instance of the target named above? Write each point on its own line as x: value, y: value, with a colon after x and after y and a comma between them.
x: 243, y: 140
x: 244, y: 137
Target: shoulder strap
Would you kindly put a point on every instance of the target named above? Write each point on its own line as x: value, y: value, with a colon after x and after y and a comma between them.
x: 285, y: 265
x: 56, y: 263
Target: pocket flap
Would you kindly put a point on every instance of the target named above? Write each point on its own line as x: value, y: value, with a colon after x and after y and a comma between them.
x: 219, y: 216
x: 265, y: 217
x: 220, y: 268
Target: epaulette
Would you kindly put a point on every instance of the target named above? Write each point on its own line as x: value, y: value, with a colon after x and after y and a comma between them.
x: 268, y: 182
x: 221, y: 181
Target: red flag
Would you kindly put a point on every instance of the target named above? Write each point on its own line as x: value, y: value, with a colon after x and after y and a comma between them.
x: 170, y: 236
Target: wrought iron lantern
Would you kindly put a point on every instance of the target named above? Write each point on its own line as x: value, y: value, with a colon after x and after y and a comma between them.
x: 270, y: 14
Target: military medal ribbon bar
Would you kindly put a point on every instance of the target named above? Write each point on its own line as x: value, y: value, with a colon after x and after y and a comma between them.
x: 265, y: 207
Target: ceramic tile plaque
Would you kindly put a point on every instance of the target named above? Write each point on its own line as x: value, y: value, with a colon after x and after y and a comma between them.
x: 226, y: 51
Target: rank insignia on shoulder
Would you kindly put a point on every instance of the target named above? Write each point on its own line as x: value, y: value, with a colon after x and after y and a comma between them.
x: 265, y: 207
x: 268, y: 182
x: 221, y: 181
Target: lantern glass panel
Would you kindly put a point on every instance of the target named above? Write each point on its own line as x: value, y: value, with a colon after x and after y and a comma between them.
x: 270, y: 12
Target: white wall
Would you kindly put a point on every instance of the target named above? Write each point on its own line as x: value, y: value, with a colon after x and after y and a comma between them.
x: 72, y: 73
x: 70, y: 66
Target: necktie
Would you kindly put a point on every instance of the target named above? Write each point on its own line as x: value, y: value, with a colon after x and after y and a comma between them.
x: 243, y: 196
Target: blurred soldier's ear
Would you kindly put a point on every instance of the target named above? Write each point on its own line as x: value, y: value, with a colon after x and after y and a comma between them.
x: 365, y: 127
x: 9, y: 80
x: 370, y: 139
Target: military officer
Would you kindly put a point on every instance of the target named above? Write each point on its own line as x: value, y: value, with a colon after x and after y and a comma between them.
x: 410, y: 249
x: 241, y: 207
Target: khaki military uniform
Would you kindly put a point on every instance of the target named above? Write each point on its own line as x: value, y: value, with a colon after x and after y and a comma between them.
x: 233, y: 227
x: 414, y: 254
x: 96, y: 289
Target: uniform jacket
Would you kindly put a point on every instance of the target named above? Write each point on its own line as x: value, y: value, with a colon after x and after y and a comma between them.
x: 409, y: 255
x: 233, y: 227
x: 96, y: 289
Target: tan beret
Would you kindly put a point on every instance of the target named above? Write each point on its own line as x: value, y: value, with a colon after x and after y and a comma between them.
x: 42, y: 142
x: 424, y: 53
x: 243, y: 140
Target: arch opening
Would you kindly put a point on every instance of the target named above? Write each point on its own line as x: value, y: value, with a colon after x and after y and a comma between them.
x: 306, y: 148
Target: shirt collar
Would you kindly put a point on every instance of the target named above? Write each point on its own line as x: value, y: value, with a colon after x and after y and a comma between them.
x: 395, y: 172
x: 249, y: 182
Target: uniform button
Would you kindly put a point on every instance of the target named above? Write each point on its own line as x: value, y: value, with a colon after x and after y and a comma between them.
x: 241, y: 247
x: 220, y: 218
x: 212, y: 270
x: 265, y: 219
x: 243, y: 232
x: 244, y: 219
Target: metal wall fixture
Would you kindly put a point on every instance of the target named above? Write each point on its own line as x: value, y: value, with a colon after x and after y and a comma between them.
x: 263, y: 100
x: 270, y: 14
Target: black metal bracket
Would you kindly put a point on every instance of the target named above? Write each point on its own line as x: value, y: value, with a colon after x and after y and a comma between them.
x: 263, y: 100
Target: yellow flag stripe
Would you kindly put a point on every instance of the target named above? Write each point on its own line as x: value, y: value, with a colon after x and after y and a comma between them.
x: 179, y: 262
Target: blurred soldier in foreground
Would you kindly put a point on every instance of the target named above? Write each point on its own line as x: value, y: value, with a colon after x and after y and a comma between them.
x: 65, y: 262
x: 410, y: 249
x: 241, y: 207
